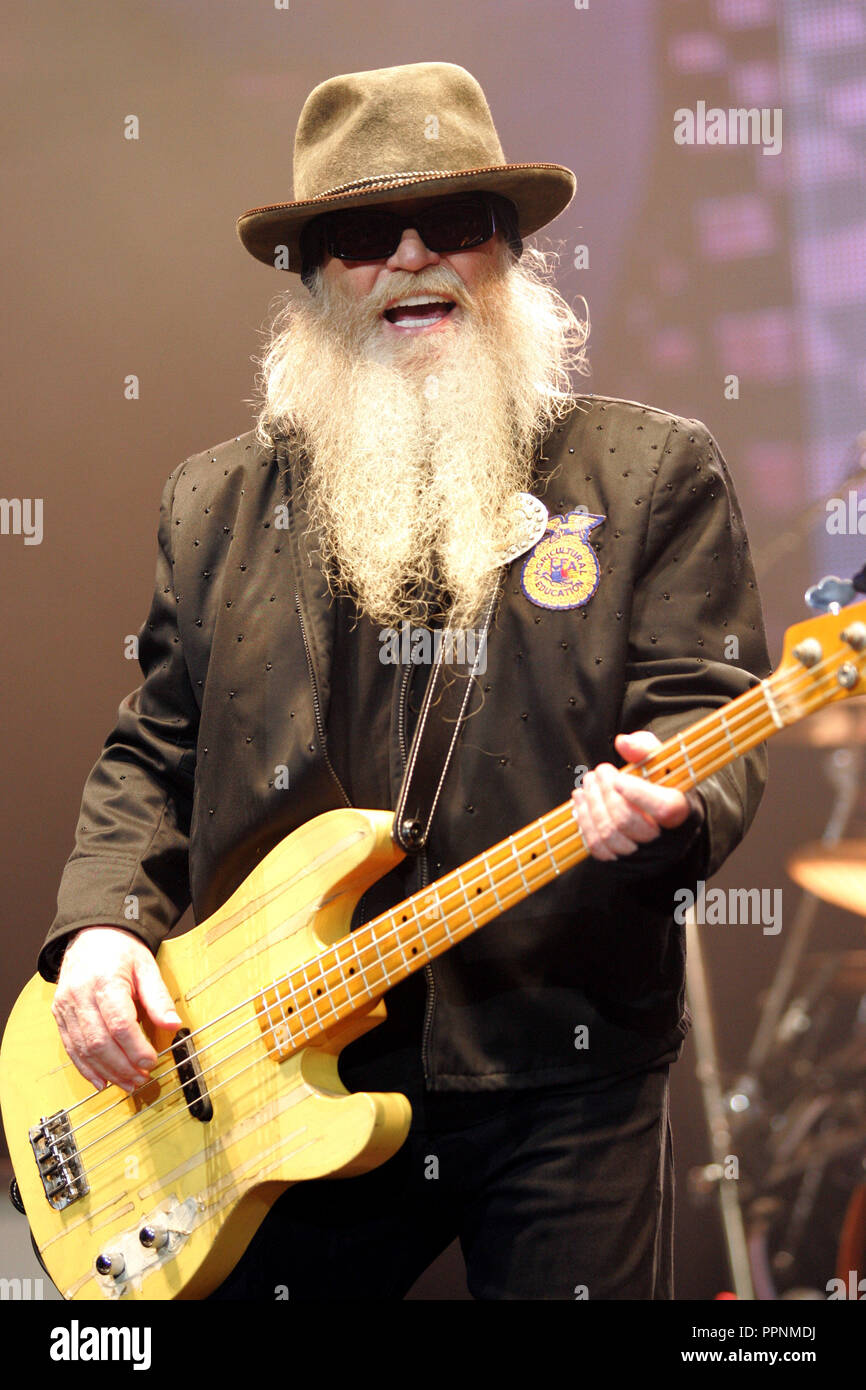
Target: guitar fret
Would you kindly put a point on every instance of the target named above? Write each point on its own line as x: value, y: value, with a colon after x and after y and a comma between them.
x: 401, y: 944
x: 361, y: 971
x: 420, y: 928
x: 771, y: 705
x: 543, y: 830
x: 491, y: 881
x: 688, y: 761
x: 442, y: 915
x: 385, y: 974
x: 466, y: 899
x: 516, y: 858
x: 316, y: 1000
x: 327, y: 991
x: 727, y: 730
x: 303, y: 970
x: 312, y: 1001
x: 286, y: 1031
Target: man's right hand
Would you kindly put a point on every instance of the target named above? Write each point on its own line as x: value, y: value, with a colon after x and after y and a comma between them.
x: 105, y: 973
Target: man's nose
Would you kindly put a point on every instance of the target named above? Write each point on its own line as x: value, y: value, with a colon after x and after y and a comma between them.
x: 411, y: 254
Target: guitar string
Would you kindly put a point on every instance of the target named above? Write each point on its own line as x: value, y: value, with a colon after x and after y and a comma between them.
x: 311, y: 1006
x: 678, y: 759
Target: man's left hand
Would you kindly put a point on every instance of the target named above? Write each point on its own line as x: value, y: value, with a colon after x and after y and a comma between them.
x: 618, y: 812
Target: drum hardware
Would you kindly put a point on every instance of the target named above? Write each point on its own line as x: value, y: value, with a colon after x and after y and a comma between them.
x: 716, y: 1111
x: 792, y: 1115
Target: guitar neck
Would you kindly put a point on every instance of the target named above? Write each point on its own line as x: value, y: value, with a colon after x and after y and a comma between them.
x: 386, y: 950
x: 378, y: 955
x: 402, y: 940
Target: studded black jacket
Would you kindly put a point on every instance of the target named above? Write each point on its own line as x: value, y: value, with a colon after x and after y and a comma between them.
x: 643, y: 615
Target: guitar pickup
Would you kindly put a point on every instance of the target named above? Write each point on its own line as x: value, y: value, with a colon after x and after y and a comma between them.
x: 189, y: 1072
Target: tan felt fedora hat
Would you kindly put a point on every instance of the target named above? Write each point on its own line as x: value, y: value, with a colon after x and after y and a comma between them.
x: 377, y: 137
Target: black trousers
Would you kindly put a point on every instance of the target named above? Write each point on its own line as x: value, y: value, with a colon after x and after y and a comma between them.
x: 557, y: 1193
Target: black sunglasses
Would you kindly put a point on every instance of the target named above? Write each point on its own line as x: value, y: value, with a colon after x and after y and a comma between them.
x: 373, y: 234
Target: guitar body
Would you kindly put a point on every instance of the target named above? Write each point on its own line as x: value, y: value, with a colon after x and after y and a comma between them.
x: 205, y: 1185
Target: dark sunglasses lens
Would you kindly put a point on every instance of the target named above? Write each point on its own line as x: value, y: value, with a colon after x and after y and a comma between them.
x: 367, y: 234
x: 363, y: 235
x: 455, y: 226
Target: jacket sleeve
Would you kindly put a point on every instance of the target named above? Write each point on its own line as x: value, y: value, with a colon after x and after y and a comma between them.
x: 129, y: 866
x: 697, y: 638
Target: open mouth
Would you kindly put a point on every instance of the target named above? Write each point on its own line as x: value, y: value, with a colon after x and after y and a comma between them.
x: 419, y: 311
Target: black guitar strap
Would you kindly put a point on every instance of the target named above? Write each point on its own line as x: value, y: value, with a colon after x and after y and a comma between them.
x: 440, y: 720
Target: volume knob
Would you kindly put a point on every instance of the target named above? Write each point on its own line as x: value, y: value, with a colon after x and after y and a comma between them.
x: 153, y: 1236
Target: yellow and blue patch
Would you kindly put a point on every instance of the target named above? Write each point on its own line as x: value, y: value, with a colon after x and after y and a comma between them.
x: 562, y: 569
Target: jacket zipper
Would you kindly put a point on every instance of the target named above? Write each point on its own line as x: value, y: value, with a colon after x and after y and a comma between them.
x: 316, y: 706
x: 423, y: 881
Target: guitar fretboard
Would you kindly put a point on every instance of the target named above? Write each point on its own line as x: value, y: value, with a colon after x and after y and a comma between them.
x: 316, y: 997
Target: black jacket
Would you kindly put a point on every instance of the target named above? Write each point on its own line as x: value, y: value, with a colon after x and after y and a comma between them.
x: 236, y: 652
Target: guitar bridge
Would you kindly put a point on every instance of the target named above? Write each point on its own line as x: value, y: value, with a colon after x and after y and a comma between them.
x: 58, y: 1160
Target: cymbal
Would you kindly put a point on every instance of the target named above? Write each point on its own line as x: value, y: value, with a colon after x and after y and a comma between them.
x: 837, y: 725
x: 835, y: 873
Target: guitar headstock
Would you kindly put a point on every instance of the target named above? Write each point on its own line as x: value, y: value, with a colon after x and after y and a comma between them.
x: 823, y: 659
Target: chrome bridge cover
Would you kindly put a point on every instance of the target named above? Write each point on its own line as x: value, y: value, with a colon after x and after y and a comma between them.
x: 58, y: 1160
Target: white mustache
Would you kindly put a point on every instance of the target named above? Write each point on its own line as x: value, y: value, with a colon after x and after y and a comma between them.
x: 402, y: 284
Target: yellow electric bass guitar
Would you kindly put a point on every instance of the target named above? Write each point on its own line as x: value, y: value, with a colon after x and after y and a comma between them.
x: 155, y: 1195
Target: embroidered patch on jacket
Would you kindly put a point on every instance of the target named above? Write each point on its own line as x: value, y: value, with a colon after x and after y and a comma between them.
x: 562, y: 570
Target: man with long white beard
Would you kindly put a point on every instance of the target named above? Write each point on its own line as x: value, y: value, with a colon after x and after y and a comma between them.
x: 431, y: 385
x: 420, y: 457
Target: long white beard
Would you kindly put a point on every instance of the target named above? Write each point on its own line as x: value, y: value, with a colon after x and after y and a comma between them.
x: 416, y: 446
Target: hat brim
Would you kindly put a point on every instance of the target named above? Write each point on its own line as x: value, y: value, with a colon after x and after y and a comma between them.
x: 540, y: 192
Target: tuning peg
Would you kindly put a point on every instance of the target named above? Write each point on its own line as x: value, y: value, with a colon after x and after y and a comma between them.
x: 855, y: 636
